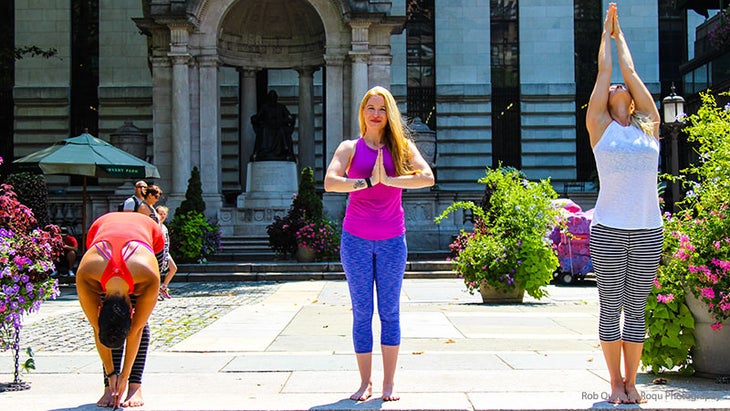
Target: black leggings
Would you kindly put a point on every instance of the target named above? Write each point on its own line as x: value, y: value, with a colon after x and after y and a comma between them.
x: 135, y: 376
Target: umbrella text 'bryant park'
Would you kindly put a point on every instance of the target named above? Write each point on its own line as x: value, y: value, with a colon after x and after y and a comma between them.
x: 86, y: 156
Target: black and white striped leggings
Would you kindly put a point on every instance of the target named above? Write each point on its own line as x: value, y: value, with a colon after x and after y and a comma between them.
x: 625, y: 262
x: 135, y: 376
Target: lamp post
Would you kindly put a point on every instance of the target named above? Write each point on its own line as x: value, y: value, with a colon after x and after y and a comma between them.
x: 673, y: 111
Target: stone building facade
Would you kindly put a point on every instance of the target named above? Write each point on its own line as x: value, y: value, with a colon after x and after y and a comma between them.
x: 502, y: 84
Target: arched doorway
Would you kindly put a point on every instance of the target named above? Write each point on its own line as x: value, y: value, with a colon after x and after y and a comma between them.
x: 273, y: 34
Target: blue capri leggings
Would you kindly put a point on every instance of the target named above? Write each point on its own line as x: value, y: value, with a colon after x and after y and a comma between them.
x: 381, y: 263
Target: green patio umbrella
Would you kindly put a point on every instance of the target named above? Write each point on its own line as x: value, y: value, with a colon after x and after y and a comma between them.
x: 86, y: 156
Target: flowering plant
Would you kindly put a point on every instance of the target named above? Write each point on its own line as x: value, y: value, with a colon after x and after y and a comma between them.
x: 306, y: 207
x: 26, y: 257
x: 720, y: 34
x: 696, y: 253
x: 698, y: 245
x: 508, y: 247
x: 323, y: 237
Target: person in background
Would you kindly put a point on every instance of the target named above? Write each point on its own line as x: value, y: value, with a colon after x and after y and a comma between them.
x: 151, y: 197
x: 374, y: 169
x: 626, y: 230
x: 70, y: 251
x: 117, y: 283
x: 133, y: 202
x: 169, y: 268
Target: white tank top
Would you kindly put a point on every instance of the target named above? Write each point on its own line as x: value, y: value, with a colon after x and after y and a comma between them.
x: 627, y: 160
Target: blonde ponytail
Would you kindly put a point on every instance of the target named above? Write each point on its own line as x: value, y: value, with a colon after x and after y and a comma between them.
x: 642, y: 122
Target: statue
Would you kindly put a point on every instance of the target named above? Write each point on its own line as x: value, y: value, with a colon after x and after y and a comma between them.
x: 273, y: 125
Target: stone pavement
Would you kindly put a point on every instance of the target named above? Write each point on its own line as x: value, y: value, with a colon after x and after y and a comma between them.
x: 287, y: 346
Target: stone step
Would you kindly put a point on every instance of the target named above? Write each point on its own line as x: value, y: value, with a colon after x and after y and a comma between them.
x: 256, y: 249
x: 291, y: 276
x: 292, y: 270
x: 295, y: 266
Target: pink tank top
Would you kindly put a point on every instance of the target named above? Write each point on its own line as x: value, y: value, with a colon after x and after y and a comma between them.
x: 375, y: 213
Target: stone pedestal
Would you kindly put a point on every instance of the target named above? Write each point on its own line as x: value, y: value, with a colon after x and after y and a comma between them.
x: 270, y: 187
x: 274, y: 177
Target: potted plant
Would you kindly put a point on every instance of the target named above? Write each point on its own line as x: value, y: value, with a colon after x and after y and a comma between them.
x: 318, y: 240
x: 694, y: 275
x: 508, y: 252
x: 306, y: 209
x: 26, y: 263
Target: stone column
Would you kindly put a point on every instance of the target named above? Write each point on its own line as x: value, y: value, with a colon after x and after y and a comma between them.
x: 379, y: 73
x: 180, y: 125
x: 246, y: 109
x: 180, y: 110
x: 359, y: 55
x: 306, y: 117
x: 335, y: 111
x: 161, y: 119
x: 210, y: 134
x: 334, y: 203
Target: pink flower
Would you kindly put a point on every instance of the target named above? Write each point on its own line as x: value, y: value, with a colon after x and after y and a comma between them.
x: 681, y: 254
x: 664, y: 299
x: 716, y: 326
x: 708, y: 293
x: 725, y: 265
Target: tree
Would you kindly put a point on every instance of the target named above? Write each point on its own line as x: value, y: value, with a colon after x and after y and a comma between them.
x: 192, y: 237
x: 193, y: 195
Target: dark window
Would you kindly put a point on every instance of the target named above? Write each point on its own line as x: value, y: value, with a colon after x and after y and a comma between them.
x: 672, y: 46
x: 673, y: 53
x: 420, y: 61
x: 505, y: 71
x: 587, y: 27
x: 7, y: 78
x: 85, y: 66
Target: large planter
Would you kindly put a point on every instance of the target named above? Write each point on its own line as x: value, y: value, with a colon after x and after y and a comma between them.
x: 305, y: 254
x: 491, y: 295
x: 711, y: 355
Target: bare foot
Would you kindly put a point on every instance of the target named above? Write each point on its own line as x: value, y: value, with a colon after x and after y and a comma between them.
x: 106, y: 399
x: 134, y: 396
x: 618, y: 394
x: 388, y: 393
x: 365, y: 392
x: 633, y: 396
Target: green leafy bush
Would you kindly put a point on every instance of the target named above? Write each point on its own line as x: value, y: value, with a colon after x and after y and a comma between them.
x: 509, y: 247
x: 670, y: 324
x: 193, y: 239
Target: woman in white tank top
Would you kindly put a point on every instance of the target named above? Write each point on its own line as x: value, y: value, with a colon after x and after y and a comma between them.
x: 626, y: 236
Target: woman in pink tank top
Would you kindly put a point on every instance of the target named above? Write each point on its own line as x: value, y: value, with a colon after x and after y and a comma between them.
x: 120, y: 265
x: 374, y: 169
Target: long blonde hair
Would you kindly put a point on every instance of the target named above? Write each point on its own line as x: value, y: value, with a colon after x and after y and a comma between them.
x: 396, y: 134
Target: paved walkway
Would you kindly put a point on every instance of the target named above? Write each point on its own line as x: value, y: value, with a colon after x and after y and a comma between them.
x: 287, y: 346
